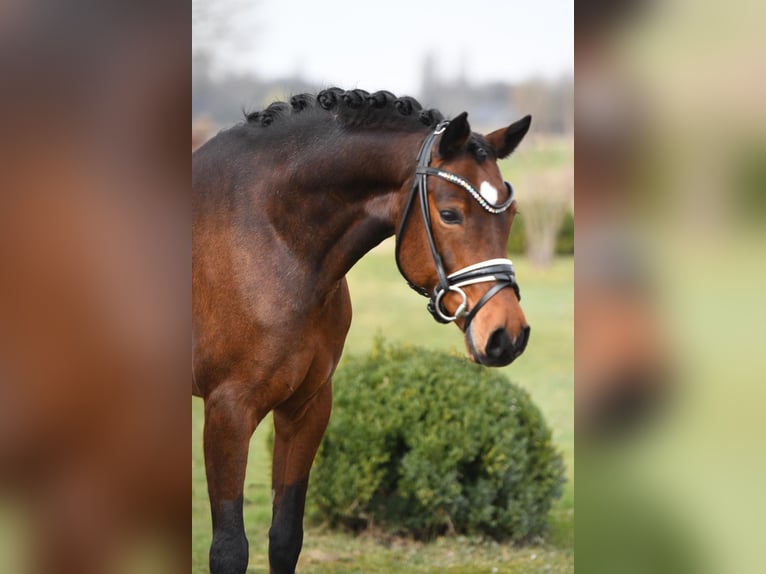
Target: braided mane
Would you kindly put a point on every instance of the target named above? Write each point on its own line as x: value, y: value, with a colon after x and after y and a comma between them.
x: 353, y: 108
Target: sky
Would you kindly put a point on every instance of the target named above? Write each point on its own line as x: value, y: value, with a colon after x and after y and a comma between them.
x: 383, y: 44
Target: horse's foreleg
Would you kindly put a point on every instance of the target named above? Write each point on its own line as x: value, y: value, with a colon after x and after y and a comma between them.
x: 229, y: 424
x: 297, y: 437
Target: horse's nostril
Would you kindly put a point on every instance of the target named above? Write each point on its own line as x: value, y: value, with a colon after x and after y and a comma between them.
x: 522, y: 340
x: 498, y: 344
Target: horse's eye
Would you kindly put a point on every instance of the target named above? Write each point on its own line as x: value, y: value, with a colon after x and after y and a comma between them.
x: 450, y: 216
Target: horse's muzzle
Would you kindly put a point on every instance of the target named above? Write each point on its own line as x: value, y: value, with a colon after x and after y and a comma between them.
x: 500, y: 349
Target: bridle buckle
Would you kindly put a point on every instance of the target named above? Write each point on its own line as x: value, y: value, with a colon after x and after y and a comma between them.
x: 436, y: 306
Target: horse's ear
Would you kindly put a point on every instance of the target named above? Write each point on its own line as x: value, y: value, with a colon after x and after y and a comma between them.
x: 455, y: 136
x: 505, y: 140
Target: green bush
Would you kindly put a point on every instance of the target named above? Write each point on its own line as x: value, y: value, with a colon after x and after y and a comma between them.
x: 422, y: 443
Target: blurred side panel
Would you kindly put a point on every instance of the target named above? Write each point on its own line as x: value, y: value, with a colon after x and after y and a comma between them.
x: 94, y: 286
x: 670, y: 188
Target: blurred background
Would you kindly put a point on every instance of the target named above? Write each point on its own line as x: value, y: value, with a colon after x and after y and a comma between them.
x: 670, y: 187
x: 494, y: 57
x: 496, y: 60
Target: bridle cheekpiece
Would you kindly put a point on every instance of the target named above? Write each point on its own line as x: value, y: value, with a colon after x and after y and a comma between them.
x: 498, y: 271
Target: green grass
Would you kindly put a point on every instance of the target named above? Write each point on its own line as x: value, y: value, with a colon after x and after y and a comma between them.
x: 384, y: 304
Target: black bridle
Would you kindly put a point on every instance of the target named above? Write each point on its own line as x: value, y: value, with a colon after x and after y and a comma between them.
x: 499, y: 271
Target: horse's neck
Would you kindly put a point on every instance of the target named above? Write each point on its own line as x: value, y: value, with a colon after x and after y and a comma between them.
x: 351, y: 198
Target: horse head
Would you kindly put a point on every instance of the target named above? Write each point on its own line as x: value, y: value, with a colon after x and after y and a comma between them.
x: 454, y: 252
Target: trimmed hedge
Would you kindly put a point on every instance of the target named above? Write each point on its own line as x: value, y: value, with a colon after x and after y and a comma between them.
x: 423, y: 443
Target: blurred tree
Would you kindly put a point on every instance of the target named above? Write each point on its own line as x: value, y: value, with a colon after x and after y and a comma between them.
x: 543, y: 212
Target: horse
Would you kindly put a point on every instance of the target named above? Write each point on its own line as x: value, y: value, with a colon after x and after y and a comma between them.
x: 284, y: 204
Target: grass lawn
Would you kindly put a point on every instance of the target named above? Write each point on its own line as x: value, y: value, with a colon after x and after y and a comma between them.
x: 384, y: 304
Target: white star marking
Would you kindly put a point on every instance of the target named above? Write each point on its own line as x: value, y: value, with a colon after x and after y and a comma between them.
x: 489, y: 192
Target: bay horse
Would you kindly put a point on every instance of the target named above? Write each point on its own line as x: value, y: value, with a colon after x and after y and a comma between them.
x: 283, y: 206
